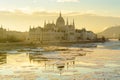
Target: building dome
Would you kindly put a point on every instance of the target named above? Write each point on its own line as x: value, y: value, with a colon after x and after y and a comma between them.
x: 60, y: 21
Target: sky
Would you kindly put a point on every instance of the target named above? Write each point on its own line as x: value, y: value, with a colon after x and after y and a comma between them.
x: 20, y: 10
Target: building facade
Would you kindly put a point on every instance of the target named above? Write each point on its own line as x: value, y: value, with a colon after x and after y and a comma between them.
x: 60, y: 31
x: 3, y: 33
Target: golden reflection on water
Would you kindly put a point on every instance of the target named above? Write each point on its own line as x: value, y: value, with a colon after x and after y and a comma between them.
x: 70, y: 64
x: 17, y: 59
x: 3, y: 59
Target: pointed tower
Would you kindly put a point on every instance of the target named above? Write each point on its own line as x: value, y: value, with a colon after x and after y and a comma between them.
x: 73, y: 23
x: 44, y: 23
x: 60, y: 21
x: 60, y: 14
x: 67, y: 22
x: 30, y: 27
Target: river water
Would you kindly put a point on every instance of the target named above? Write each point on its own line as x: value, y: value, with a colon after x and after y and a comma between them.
x: 92, y: 61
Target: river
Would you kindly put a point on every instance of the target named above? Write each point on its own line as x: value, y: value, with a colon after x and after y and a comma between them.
x: 92, y: 61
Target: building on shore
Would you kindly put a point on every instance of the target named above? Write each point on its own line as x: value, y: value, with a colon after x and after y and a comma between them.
x: 11, y: 36
x: 3, y: 33
x: 60, y: 31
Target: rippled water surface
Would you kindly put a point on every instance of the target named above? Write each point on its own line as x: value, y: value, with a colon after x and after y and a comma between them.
x: 93, y: 61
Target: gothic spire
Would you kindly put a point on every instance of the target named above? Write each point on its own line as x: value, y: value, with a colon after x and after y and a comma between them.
x: 60, y: 13
x: 67, y: 21
x: 73, y: 23
x: 44, y: 23
x: 30, y: 27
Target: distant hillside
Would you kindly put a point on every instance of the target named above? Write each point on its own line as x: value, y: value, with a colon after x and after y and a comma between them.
x: 112, y: 32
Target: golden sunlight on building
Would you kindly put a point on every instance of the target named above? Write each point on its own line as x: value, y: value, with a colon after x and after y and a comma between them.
x: 60, y: 31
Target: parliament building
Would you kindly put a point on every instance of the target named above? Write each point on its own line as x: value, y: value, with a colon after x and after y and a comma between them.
x: 60, y: 31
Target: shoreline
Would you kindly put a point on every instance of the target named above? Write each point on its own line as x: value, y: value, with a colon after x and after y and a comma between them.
x: 15, y: 45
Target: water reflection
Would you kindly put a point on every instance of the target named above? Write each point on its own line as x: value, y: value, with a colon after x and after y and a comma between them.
x: 37, y: 57
x: 51, y: 63
x: 3, y: 58
x: 69, y: 63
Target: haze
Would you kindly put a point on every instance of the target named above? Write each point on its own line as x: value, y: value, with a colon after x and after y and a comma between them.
x: 95, y: 15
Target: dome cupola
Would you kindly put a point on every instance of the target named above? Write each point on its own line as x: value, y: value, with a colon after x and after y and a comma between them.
x: 60, y: 21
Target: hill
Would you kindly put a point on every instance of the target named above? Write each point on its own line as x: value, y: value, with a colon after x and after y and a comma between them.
x: 112, y: 32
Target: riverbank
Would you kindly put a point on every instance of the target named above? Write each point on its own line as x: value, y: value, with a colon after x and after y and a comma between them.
x: 21, y: 45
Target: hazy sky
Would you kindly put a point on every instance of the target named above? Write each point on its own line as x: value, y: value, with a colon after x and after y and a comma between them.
x: 98, y: 7
x: 110, y: 7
